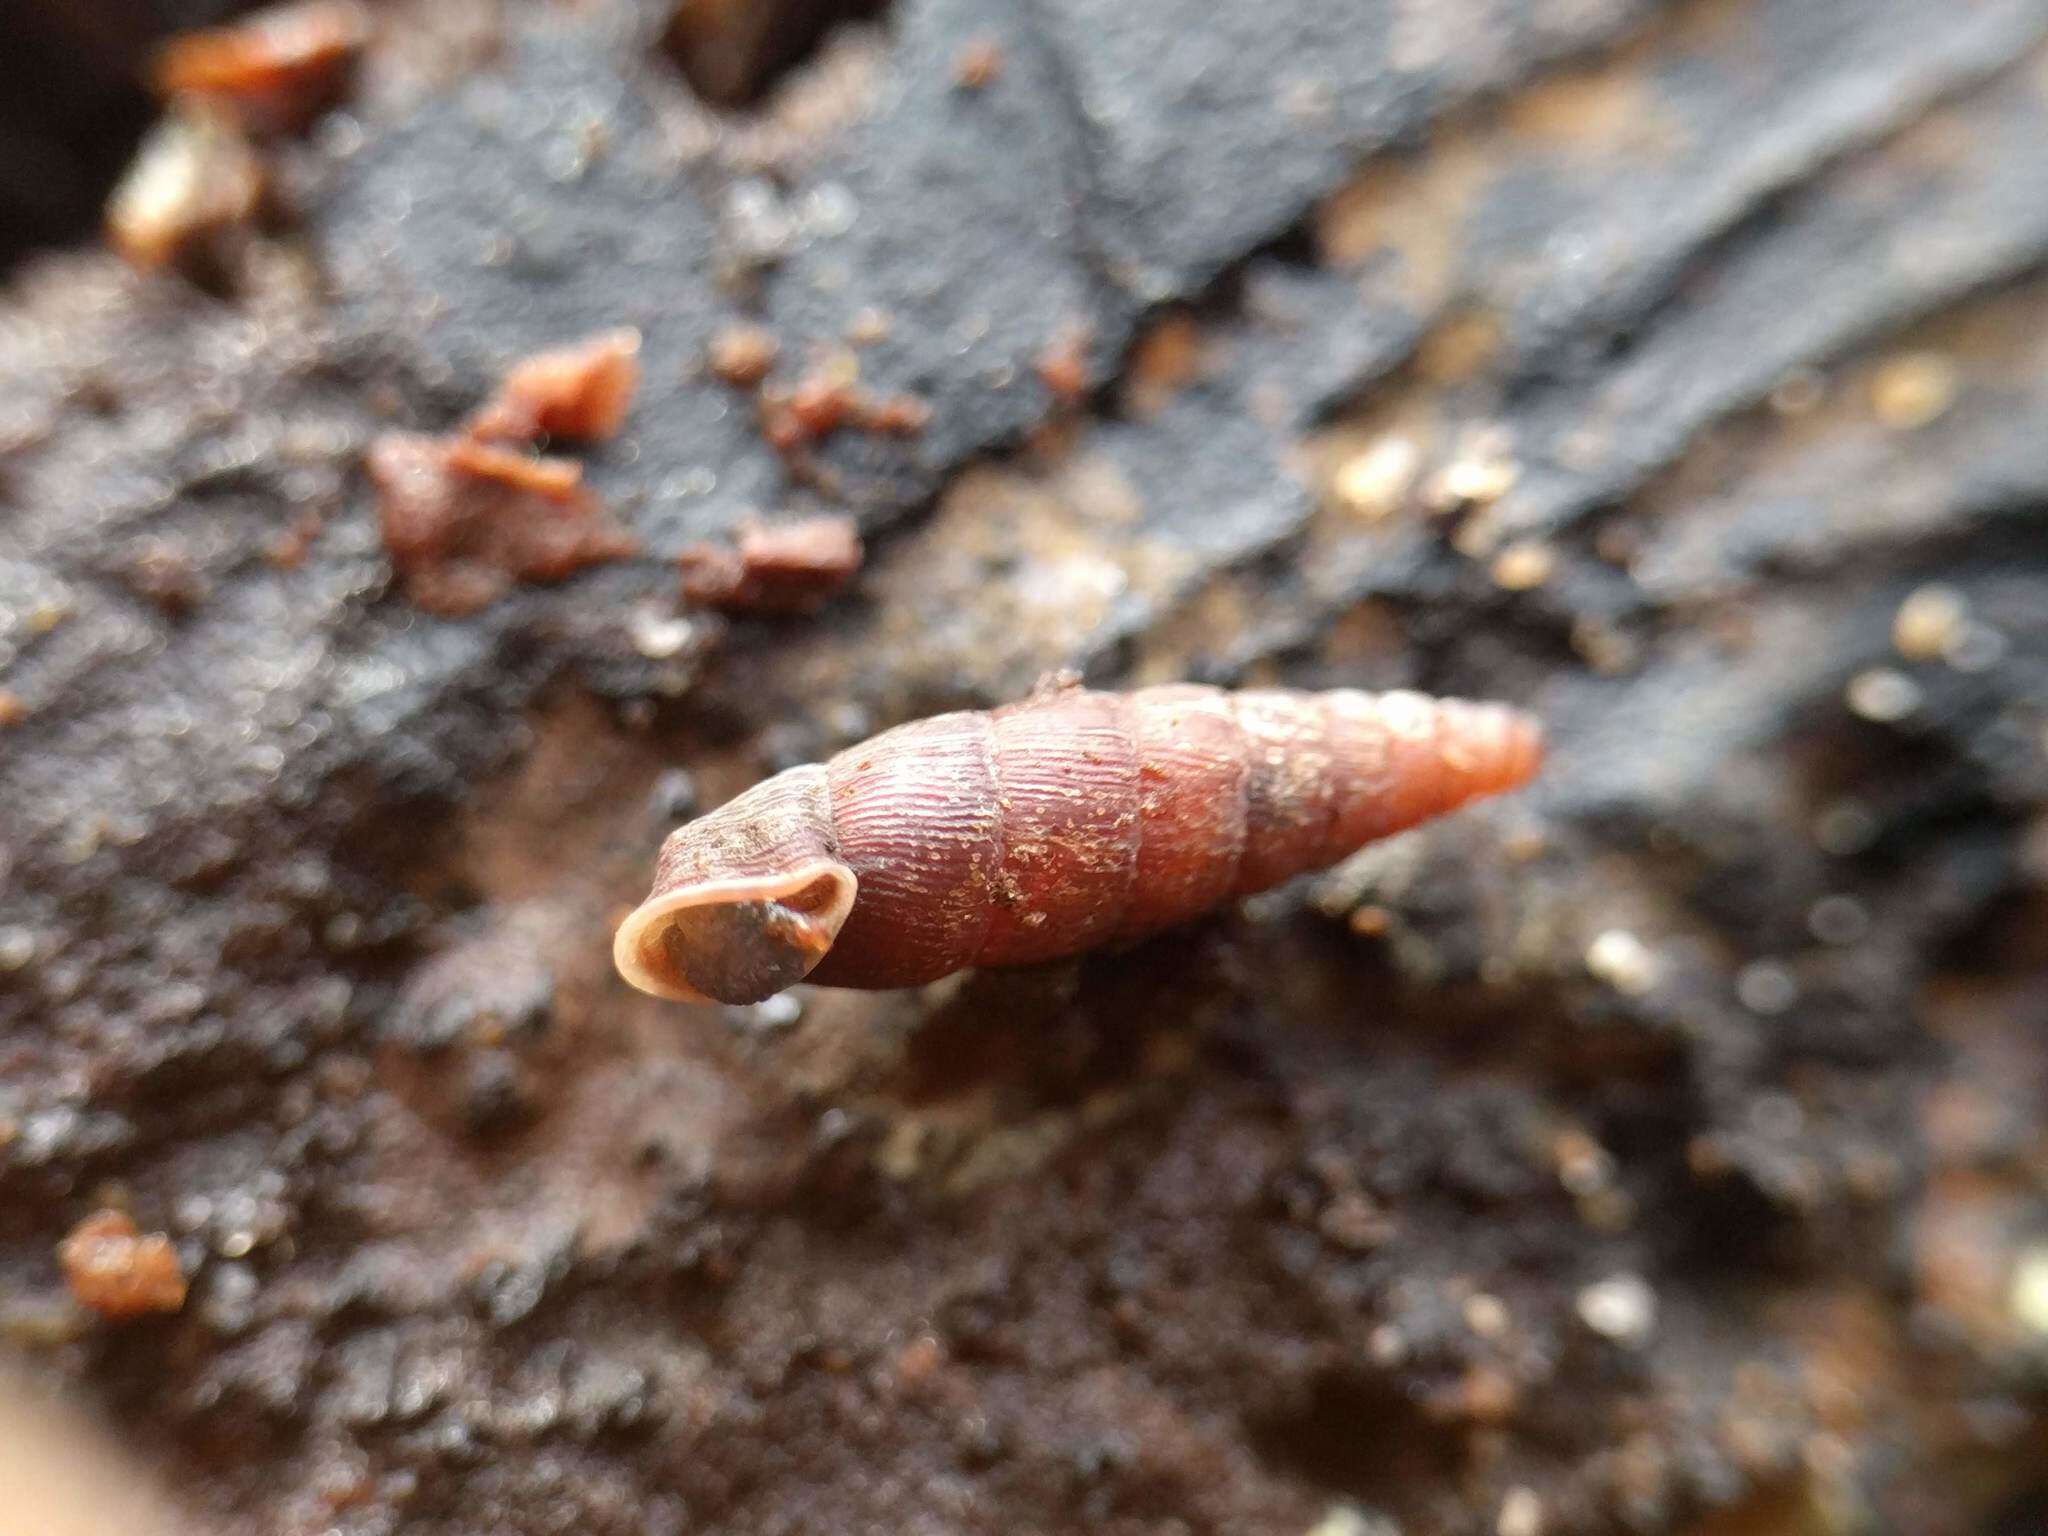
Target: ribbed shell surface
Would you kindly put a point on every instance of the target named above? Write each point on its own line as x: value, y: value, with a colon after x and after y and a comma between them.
x: 1077, y: 818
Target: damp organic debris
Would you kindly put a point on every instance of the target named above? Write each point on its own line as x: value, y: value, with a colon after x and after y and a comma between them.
x: 463, y: 521
x: 576, y: 393
x: 795, y: 566
x: 272, y: 71
x: 118, y: 1271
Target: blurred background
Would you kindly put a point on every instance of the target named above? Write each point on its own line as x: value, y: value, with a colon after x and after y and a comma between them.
x: 445, y: 443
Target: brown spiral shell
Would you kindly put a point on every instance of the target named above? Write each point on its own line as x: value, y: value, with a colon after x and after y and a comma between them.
x: 1045, y: 828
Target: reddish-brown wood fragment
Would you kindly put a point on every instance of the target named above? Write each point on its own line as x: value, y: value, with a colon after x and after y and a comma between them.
x: 118, y: 1271
x: 463, y: 521
x: 272, y: 72
x: 577, y: 393
x: 791, y: 567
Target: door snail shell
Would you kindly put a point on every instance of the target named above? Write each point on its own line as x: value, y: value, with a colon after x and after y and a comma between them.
x: 1070, y: 820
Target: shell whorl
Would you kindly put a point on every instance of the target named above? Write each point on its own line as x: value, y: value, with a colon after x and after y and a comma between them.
x: 1046, y: 828
x: 745, y: 900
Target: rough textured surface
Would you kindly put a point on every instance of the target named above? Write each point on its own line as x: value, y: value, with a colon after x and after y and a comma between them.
x: 1660, y: 1150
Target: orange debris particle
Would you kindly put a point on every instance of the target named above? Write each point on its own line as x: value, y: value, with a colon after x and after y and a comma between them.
x: 788, y: 568
x: 118, y: 1271
x: 577, y: 393
x: 273, y: 72
x: 463, y: 520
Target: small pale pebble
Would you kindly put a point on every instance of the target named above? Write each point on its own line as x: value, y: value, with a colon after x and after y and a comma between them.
x: 2030, y: 1290
x: 1487, y: 1315
x: 1373, y: 482
x: 658, y: 636
x: 1624, y: 962
x: 1523, y: 566
x: 1371, y: 921
x: 1622, y: 1308
x: 774, y: 1013
x: 868, y: 327
x: 1350, y: 1520
x: 17, y: 948
x: 45, y: 617
x: 1521, y: 1514
x: 1928, y: 622
x: 1913, y: 390
x: 1583, y: 1165
x: 1883, y: 694
x: 1471, y: 482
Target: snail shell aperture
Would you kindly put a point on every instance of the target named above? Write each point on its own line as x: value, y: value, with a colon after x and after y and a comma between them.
x: 1045, y: 828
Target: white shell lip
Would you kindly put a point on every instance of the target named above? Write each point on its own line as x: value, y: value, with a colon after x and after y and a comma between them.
x: 631, y: 944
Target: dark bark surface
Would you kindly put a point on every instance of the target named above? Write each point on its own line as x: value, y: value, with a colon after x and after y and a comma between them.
x: 1661, y: 1149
